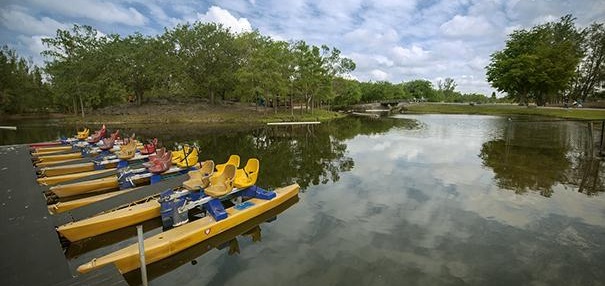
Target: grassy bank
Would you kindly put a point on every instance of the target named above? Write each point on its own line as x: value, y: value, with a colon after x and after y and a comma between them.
x: 488, y: 109
x: 198, y: 113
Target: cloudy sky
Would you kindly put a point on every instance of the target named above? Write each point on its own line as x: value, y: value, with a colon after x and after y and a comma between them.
x: 389, y: 39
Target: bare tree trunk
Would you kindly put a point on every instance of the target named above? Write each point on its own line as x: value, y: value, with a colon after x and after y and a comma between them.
x: 75, y: 106
x: 211, y: 96
x: 291, y: 106
x: 81, y: 105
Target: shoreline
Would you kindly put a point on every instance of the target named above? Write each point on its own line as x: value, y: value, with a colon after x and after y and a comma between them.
x: 250, y: 115
x: 508, y: 109
x: 184, y: 113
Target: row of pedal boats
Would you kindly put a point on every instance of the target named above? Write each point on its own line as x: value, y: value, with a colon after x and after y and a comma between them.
x: 90, y: 168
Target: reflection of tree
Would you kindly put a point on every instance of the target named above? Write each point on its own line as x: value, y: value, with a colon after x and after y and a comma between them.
x: 522, y: 168
x: 587, y: 175
x: 536, y: 156
x: 366, y: 126
x: 305, y: 154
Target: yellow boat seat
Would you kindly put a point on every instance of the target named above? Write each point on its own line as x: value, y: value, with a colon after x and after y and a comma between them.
x: 82, y: 135
x: 221, y: 184
x: 128, y: 151
x: 200, y: 178
x: 247, y: 176
x: 177, y: 155
x: 233, y: 160
x: 190, y: 157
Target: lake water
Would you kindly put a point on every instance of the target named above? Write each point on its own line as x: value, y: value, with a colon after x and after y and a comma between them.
x: 412, y: 200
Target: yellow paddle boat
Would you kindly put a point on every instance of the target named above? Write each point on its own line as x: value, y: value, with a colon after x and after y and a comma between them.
x: 219, y: 186
x: 180, y: 238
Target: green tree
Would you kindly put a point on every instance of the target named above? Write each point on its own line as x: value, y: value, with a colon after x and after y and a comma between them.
x: 140, y: 63
x: 420, y: 89
x: 590, y: 74
x: 310, y: 75
x: 537, y: 64
x: 78, y: 67
x: 447, y: 87
x: 346, y: 91
x: 208, y: 54
x: 265, y: 69
x: 21, y: 86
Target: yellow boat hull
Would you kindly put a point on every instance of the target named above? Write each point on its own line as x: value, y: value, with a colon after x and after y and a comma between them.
x: 180, y: 238
x: 51, y: 163
x: 73, y: 204
x: 46, y: 150
x: 86, y: 187
x: 110, y: 221
x: 61, y: 157
x: 66, y: 169
x: 53, y: 180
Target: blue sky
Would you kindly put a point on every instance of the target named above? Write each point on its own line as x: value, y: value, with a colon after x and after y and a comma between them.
x: 389, y: 40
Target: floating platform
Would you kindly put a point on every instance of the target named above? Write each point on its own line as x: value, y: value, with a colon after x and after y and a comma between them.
x: 294, y: 123
x: 32, y: 253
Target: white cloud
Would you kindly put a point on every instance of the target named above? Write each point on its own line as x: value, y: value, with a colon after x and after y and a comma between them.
x: 102, y: 11
x: 218, y: 15
x: 394, y: 40
x: 544, y: 19
x: 466, y: 26
x: 15, y: 18
x: 34, y: 46
x: 379, y: 75
x: 413, y: 56
x: 478, y: 63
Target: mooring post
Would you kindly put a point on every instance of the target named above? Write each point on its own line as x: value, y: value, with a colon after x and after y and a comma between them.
x: 591, y: 142
x: 602, y: 137
x: 142, y: 255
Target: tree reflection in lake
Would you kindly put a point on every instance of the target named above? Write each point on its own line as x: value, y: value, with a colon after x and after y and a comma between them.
x: 536, y: 155
x: 305, y: 154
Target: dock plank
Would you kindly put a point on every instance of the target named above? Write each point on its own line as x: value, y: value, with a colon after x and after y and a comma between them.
x: 32, y: 254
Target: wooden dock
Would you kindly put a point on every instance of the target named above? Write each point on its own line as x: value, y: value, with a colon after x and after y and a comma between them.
x: 32, y: 253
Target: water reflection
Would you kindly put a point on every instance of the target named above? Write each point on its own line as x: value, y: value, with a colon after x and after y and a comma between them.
x: 307, y: 154
x: 536, y: 155
x: 434, y: 203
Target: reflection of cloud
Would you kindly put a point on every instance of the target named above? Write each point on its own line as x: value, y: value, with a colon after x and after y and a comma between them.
x: 420, y: 208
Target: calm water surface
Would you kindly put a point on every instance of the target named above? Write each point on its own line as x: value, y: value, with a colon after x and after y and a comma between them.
x: 415, y: 200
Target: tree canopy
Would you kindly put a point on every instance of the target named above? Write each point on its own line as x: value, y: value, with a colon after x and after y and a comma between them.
x: 21, y: 86
x: 590, y: 74
x: 86, y: 69
x: 537, y: 64
x: 201, y: 60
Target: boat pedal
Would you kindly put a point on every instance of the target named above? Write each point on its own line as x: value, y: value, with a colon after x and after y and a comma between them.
x: 259, y: 193
x: 243, y: 205
x: 216, y: 209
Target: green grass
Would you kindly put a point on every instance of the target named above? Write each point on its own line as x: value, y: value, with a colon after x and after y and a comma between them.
x: 492, y: 109
x: 317, y: 115
x: 208, y: 115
